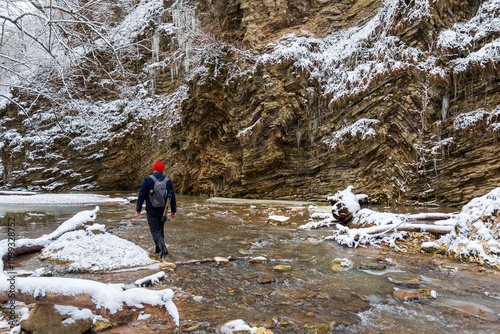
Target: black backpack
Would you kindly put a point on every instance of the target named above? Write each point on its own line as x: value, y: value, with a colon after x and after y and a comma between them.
x: 158, y: 195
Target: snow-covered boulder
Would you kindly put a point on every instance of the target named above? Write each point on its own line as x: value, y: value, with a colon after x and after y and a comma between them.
x: 278, y: 220
x: 87, y: 250
x: 57, y: 319
x: 237, y: 326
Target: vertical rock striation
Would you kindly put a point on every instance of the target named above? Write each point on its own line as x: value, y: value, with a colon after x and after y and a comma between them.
x: 297, y: 99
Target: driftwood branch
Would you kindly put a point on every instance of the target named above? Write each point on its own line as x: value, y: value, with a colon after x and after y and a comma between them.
x: 183, y: 263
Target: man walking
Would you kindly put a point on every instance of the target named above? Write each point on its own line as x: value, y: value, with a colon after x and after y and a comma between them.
x: 154, y: 208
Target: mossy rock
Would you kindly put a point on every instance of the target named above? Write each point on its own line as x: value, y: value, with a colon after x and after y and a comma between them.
x: 282, y: 268
x: 341, y: 264
x: 319, y: 329
x: 372, y: 266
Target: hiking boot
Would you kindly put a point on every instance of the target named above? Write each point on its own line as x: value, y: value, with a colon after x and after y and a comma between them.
x: 160, y: 244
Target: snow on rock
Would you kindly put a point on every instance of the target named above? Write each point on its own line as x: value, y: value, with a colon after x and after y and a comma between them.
x: 89, y: 249
x: 74, y: 313
x: 469, y: 120
x: 463, y: 36
x: 237, y: 326
x: 85, y: 250
x: 136, y: 22
x: 476, y: 235
x: 340, y: 264
x: 362, y: 128
x: 221, y: 260
x: 429, y: 245
x: 278, y: 220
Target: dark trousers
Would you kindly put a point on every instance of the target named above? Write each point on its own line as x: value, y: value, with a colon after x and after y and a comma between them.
x: 155, y: 224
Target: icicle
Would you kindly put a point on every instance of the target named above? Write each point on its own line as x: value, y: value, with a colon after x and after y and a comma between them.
x: 186, y: 24
x: 299, y: 137
x: 155, y: 47
x: 152, y: 79
x: 445, y: 105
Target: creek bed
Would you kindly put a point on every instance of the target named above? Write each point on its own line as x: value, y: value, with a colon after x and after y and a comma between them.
x: 310, y: 295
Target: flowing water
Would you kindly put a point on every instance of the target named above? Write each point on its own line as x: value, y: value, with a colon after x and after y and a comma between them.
x: 351, y: 301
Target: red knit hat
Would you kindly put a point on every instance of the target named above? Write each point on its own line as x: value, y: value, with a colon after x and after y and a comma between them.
x: 159, y: 166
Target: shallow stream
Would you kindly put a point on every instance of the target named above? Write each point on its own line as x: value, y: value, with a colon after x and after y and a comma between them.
x: 351, y: 301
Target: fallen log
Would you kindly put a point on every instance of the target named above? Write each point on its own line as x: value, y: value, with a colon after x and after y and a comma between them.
x: 108, y: 300
x: 382, y: 229
x: 127, y: 314
x: 430, y: 216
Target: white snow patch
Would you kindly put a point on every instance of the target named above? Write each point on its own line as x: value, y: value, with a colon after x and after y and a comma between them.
x: 42, y: 199
x: 281, y: 219
x: 236, y: 326
x: 85, y: 250
x: 350, y: 200
x: 363, y: 128
x: 429, y: 244
x: 74, y: 313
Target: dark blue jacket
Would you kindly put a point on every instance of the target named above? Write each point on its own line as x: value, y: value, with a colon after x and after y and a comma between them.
x: 147, y: 185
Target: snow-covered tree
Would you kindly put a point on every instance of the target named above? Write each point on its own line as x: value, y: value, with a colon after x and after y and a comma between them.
x: 51, y: 49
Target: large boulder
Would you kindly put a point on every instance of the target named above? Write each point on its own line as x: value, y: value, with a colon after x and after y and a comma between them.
x: 45, y: 319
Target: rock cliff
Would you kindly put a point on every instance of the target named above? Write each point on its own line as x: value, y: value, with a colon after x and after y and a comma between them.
x: 289, y: 99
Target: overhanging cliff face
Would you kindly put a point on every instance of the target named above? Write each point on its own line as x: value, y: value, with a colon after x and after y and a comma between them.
x: 279, y: 133
x: 298, y: 99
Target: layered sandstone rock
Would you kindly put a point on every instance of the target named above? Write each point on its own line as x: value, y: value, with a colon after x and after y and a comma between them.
x: 258, y: 128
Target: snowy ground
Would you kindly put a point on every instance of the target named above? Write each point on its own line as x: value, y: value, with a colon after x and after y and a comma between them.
x: 33, y: 198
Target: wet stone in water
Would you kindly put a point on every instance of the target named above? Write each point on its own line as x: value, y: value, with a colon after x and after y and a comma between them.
x: 261, y: 292
x: 266, y: 280
x: 406, y: 280
x: 405, y: 295
x: 372, y: 266
x: 319, y: 329
x: 341, y: 264
x: 282, y: 268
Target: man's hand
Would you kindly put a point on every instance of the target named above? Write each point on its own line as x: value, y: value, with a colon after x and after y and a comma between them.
x: 173, y: 214
x: 138, y: 214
